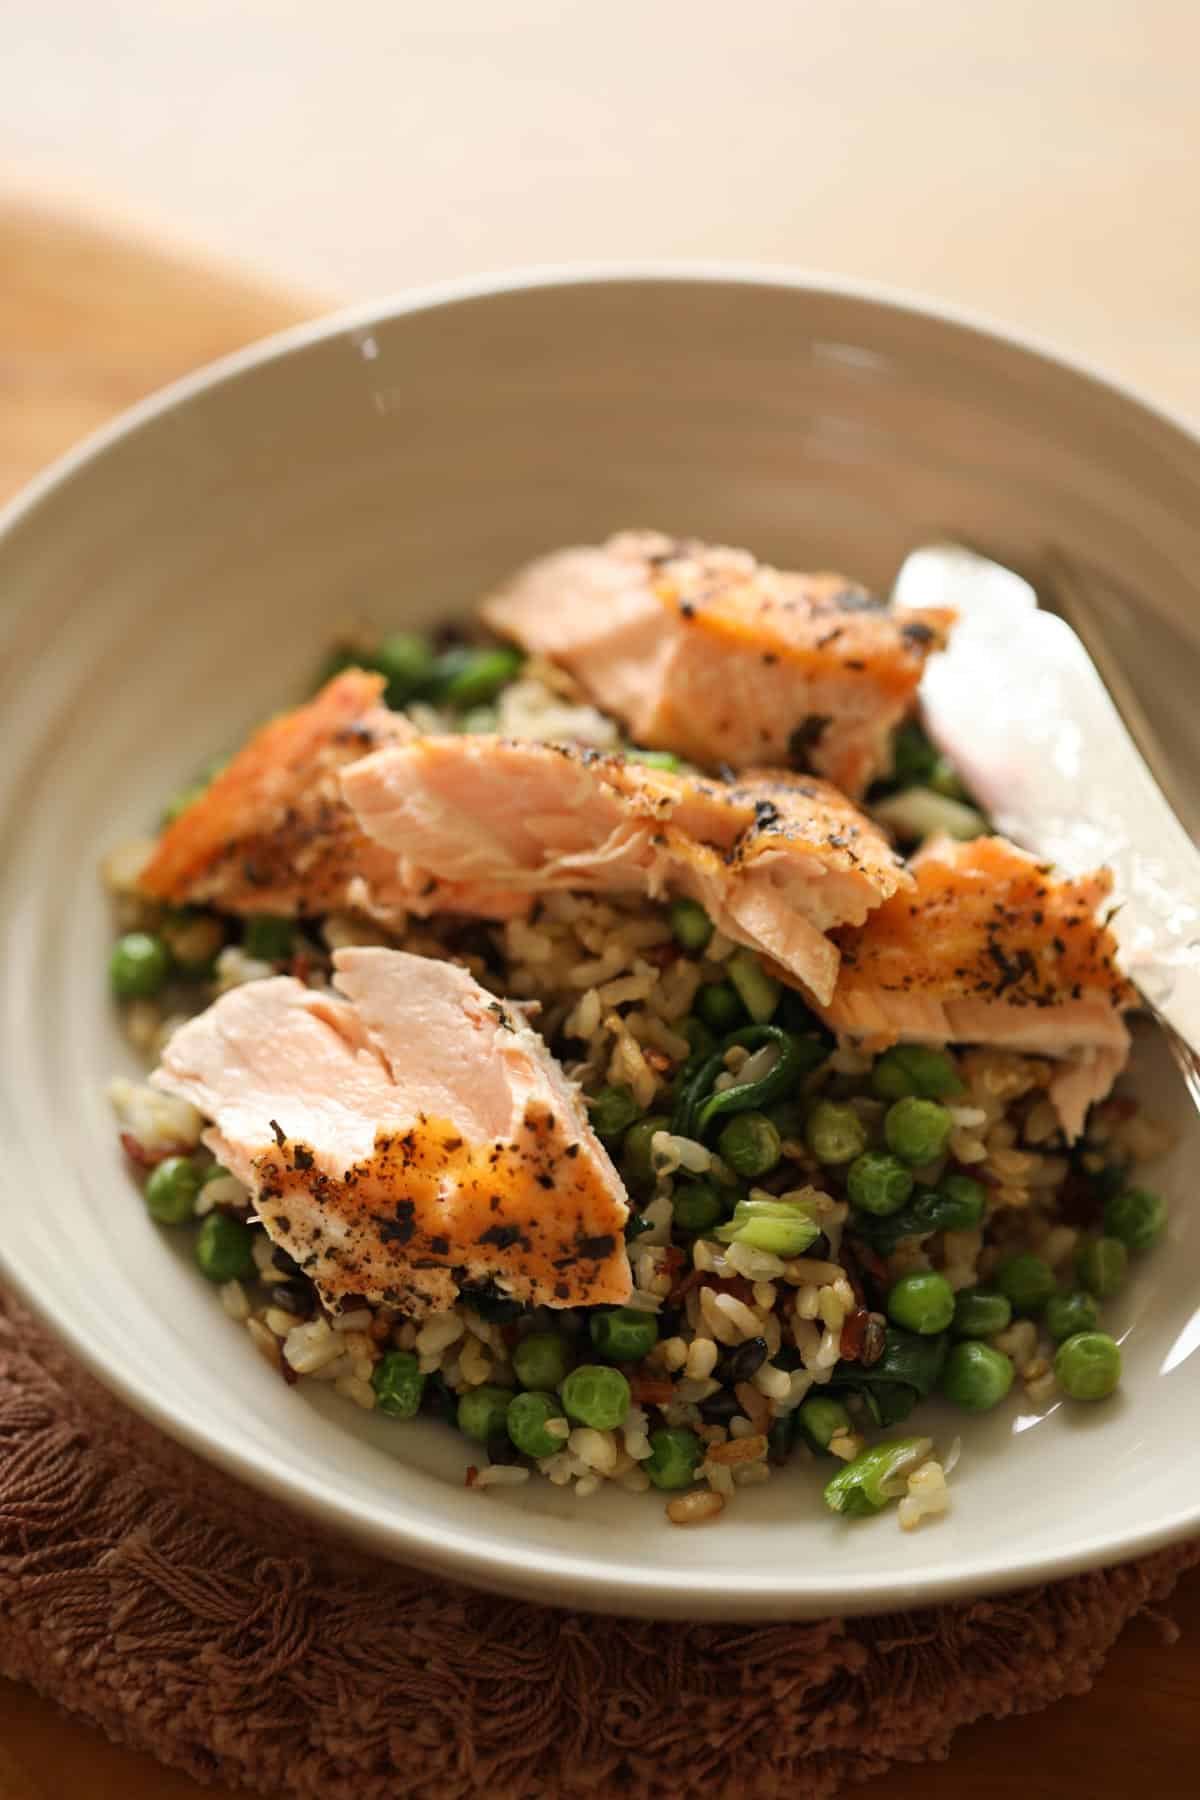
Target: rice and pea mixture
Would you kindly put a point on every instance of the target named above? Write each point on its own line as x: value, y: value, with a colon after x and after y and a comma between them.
x: 819, y: 1239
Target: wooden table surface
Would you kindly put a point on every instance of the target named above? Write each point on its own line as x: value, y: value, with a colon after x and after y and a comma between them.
x: 88, y: 323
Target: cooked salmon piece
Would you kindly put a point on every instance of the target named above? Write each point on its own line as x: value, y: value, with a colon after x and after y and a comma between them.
x: 707, y: 652
x: 272, y: 834
x: 776, y: 860
x: 993, y: 948
x: 405, y: 1137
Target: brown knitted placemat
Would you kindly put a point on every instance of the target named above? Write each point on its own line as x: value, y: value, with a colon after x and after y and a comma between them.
x: 190, y: 1618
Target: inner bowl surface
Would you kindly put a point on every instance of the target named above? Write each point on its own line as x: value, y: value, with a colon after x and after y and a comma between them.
x: 175, y: 581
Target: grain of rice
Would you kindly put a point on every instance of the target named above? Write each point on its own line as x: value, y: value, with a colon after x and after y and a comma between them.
x: 807, y: 1302
x: 157, y: 1121
x: 700, y: 1357
x: 310, y: 1346
x: 557, y: 1428
x: 719, y: 948
x: 1019, y: 1341
x: 739, y: 1449
x: 265, y: 1341
x: 927, y: 1495
x: 357, y: 1320
x: 501, y: 1475
x: 1059, y: 1245
x: 598, y: 1449
x: 233, y: 1299
x: 846, y: 1445
x: 142, y: 1020
x: 637, y: 1481
x: 755, y: 1265
x: 764, y: 1295
x: 811, y: 1271
x: 586, y: 1486
x: 692, y: 1392
x: 280, y: 1322
x: 751, y: 1474
x: 670, y: 1153
x: 754, y: 1404
x: 474, y: 1362
x: 674, y: 1354
x: 234, y: 968
x: 718, y: 1477
x: 772, y: 1381
x: 353, y: 1387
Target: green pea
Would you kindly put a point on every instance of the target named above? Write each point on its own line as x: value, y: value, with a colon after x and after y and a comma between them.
x: 720, y: 1007
x: 921, y: 1302
x: 171, y: 1190
x: 637, y: 1156
x: 1026, y: 1281
x: 917, y: 1130
x: 673, y: 1458
x: 959, y: 1203
x: 1088, y: 1365
x: 526, y: 1421
x: 180, y: 801
x: 784, y: 1227
x: 880, y: 1474
x: 541, y: 1360
x: 696, y: 1207
x: 1101, y: 1266
x: 835, y: 1134
x: 482, y: 1412
x: 750, y: 1144
x: 225, y: 1249
x: 975, y: 1376
x: 914, y: 1069
x: 596, y: 1395
x: 759, y: 992
x: 139, y: 966
x: 1067, y: 1314
x: 690, y: 924
x: 623, y: 1334
x: 878, y: 1183
x: 478, y: 676
x: 1137, y: 1217
x: 398, y: 1384
x: 613, y: 1110
x: 820, y: 1418
x: 980, y: 1313
x: 407, y: 661
x: 268, y: 938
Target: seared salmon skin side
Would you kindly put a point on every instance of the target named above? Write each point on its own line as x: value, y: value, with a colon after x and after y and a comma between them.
x: 707, y: 652
x: 272, y: 834
x: 776, y: 860
x: 406, y: 1137
x: 993, y: 948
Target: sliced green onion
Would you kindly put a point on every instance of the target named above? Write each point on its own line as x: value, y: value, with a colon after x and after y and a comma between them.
x: 764, y: 1222
x: 920, y: 813
x: 759, y: 991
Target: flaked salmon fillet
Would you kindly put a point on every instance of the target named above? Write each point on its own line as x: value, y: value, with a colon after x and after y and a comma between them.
x: 272, y: 834
x: 706, y: 651
x: 776, y: 860
x: 406, y: 1136
x: 993, y: 948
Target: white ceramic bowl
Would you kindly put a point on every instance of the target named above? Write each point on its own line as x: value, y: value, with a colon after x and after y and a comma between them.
x: 174, y: 580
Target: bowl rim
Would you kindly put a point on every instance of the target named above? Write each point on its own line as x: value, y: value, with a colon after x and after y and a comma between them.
x: 538, y: 1573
